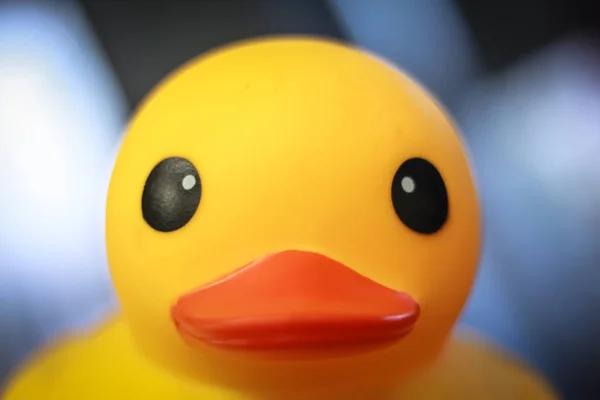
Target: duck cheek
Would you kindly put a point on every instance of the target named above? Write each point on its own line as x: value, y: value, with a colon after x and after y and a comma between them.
x: 425, y: 342
x: 160, y: 246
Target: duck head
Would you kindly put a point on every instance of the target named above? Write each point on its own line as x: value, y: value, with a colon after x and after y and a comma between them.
x: 291, y: 212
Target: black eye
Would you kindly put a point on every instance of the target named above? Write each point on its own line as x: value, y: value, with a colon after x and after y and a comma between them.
x: 419, y: 196
x: 171, y: 194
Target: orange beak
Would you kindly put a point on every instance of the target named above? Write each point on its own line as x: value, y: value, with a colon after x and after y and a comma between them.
x: 294, y: 300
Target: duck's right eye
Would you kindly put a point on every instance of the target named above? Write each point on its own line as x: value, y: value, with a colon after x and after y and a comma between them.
x: 171, y: 194
x: 419, y: 196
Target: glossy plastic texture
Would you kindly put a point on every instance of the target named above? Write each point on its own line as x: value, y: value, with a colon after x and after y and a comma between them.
x: 297, y: 143
x: 296, y: 243
x: 295, y: 302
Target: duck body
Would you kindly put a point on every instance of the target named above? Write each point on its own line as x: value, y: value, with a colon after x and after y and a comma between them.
x: 288, y: 218
x: 469, y: 368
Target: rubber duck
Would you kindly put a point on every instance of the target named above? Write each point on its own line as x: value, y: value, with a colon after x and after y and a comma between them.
x: 288, y: 218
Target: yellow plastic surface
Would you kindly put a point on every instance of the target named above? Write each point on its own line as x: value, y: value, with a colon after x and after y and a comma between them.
x: 107, y: 366
x: 296, y: 141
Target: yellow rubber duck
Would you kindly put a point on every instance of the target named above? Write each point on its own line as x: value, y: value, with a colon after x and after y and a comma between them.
x: 288, y: 218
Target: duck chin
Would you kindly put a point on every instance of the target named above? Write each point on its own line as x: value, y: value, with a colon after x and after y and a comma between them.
x: 203, y: 364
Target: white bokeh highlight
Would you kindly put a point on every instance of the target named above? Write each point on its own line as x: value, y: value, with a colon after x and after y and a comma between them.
x: 61, y: 115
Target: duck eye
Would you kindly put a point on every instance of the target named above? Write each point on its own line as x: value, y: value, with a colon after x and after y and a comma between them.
x: 419, y: 196
x: 171, y: 194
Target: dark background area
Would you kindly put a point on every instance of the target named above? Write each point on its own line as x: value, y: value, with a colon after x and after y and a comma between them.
x: 145, y: 40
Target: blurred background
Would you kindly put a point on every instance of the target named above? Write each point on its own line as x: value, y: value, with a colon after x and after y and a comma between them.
x: 521, y: 79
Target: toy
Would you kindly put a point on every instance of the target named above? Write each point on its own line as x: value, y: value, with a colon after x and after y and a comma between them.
x: 287, y: 219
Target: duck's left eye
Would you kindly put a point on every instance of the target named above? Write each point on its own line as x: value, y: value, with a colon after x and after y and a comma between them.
x: 171, y: 194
